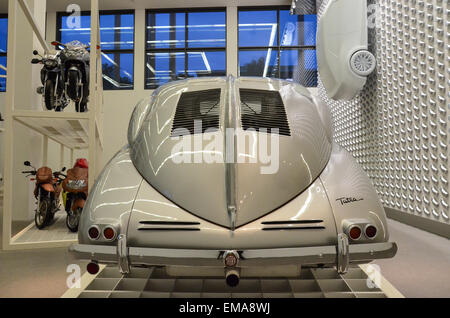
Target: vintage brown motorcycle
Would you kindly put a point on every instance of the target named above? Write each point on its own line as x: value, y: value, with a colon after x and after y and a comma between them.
x: 47, y: 192
x: 75, y: 188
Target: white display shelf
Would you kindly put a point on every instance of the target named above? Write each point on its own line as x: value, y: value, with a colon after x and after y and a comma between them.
x: 68, y: 130
x: 57, y: 231
x: 50, y: 114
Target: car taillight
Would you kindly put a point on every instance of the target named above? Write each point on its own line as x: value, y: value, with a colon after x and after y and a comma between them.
x: 371, y: 231
x: 92, y: 268
x: 109, y: 233
x: 94, y: 232
x: 354, y: 232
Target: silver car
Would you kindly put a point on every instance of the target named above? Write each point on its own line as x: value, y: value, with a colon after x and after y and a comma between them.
x: 232, y: 174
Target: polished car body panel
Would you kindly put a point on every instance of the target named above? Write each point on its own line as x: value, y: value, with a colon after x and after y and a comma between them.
x: 112, y: 197
x: 263, y: 187
x: 259, y: 187
x: 166, y: 211
x: 352, y: 195
x: 155, y: 155
x: 152, y: 213
x: 137, y: 118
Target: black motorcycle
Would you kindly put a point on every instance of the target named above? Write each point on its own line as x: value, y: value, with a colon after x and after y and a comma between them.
x: 75, y: 63
x: 52, y: 81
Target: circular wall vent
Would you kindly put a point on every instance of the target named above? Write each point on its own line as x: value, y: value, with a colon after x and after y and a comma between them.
x: 363, y: 63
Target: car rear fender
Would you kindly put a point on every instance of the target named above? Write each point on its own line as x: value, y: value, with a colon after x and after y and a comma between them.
x: 112, y: 197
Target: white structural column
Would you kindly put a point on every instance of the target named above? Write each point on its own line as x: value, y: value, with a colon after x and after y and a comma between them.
x: 93, y: 92
x: 232, y: 38
x: 9, y: 136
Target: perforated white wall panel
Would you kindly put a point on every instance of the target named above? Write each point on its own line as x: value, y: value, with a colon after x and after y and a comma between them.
x: 398, y: 127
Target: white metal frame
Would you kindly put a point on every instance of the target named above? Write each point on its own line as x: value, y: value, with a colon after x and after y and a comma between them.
x: 93, y: 116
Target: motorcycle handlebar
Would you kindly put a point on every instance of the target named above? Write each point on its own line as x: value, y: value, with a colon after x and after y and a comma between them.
x: 33, y: 173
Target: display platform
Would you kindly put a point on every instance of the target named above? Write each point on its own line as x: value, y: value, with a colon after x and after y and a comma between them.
x: 155, y: 283
x: 57, y: 231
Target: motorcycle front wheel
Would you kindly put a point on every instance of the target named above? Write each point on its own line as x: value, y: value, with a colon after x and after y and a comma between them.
x: 72, y: 87
x: 49, y: 97
x: 73, y: 219
x: 42, y: 215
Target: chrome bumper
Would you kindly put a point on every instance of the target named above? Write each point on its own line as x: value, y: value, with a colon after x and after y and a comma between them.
x: 340, y: 255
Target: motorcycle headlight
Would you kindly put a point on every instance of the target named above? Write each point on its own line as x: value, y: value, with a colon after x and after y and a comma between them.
x: 76, y: 184
x: 51, y: 63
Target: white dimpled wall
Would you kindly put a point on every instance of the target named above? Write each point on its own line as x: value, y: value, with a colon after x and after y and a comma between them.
x: 398, y: 126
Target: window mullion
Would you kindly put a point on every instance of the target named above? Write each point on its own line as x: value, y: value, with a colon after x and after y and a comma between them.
x: 279, y: 44
x: 186, y: 41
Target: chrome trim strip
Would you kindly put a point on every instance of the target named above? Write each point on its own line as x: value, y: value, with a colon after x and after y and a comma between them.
x: 261, y: 257
x: 291, y: 222
x: 168, y: 223
x: 230, y: 151
x: 168, y: 229
x: 289, y: 228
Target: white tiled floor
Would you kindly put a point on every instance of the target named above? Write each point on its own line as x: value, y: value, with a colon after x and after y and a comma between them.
x: 57, y: 231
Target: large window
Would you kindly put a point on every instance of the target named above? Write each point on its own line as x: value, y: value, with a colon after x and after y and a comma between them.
x: 3, y: 48
x: 117, y: 44
x: 184, y: 43
x: 273, y: 43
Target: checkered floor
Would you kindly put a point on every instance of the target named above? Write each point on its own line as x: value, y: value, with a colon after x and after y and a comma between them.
x: 155, y: 283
